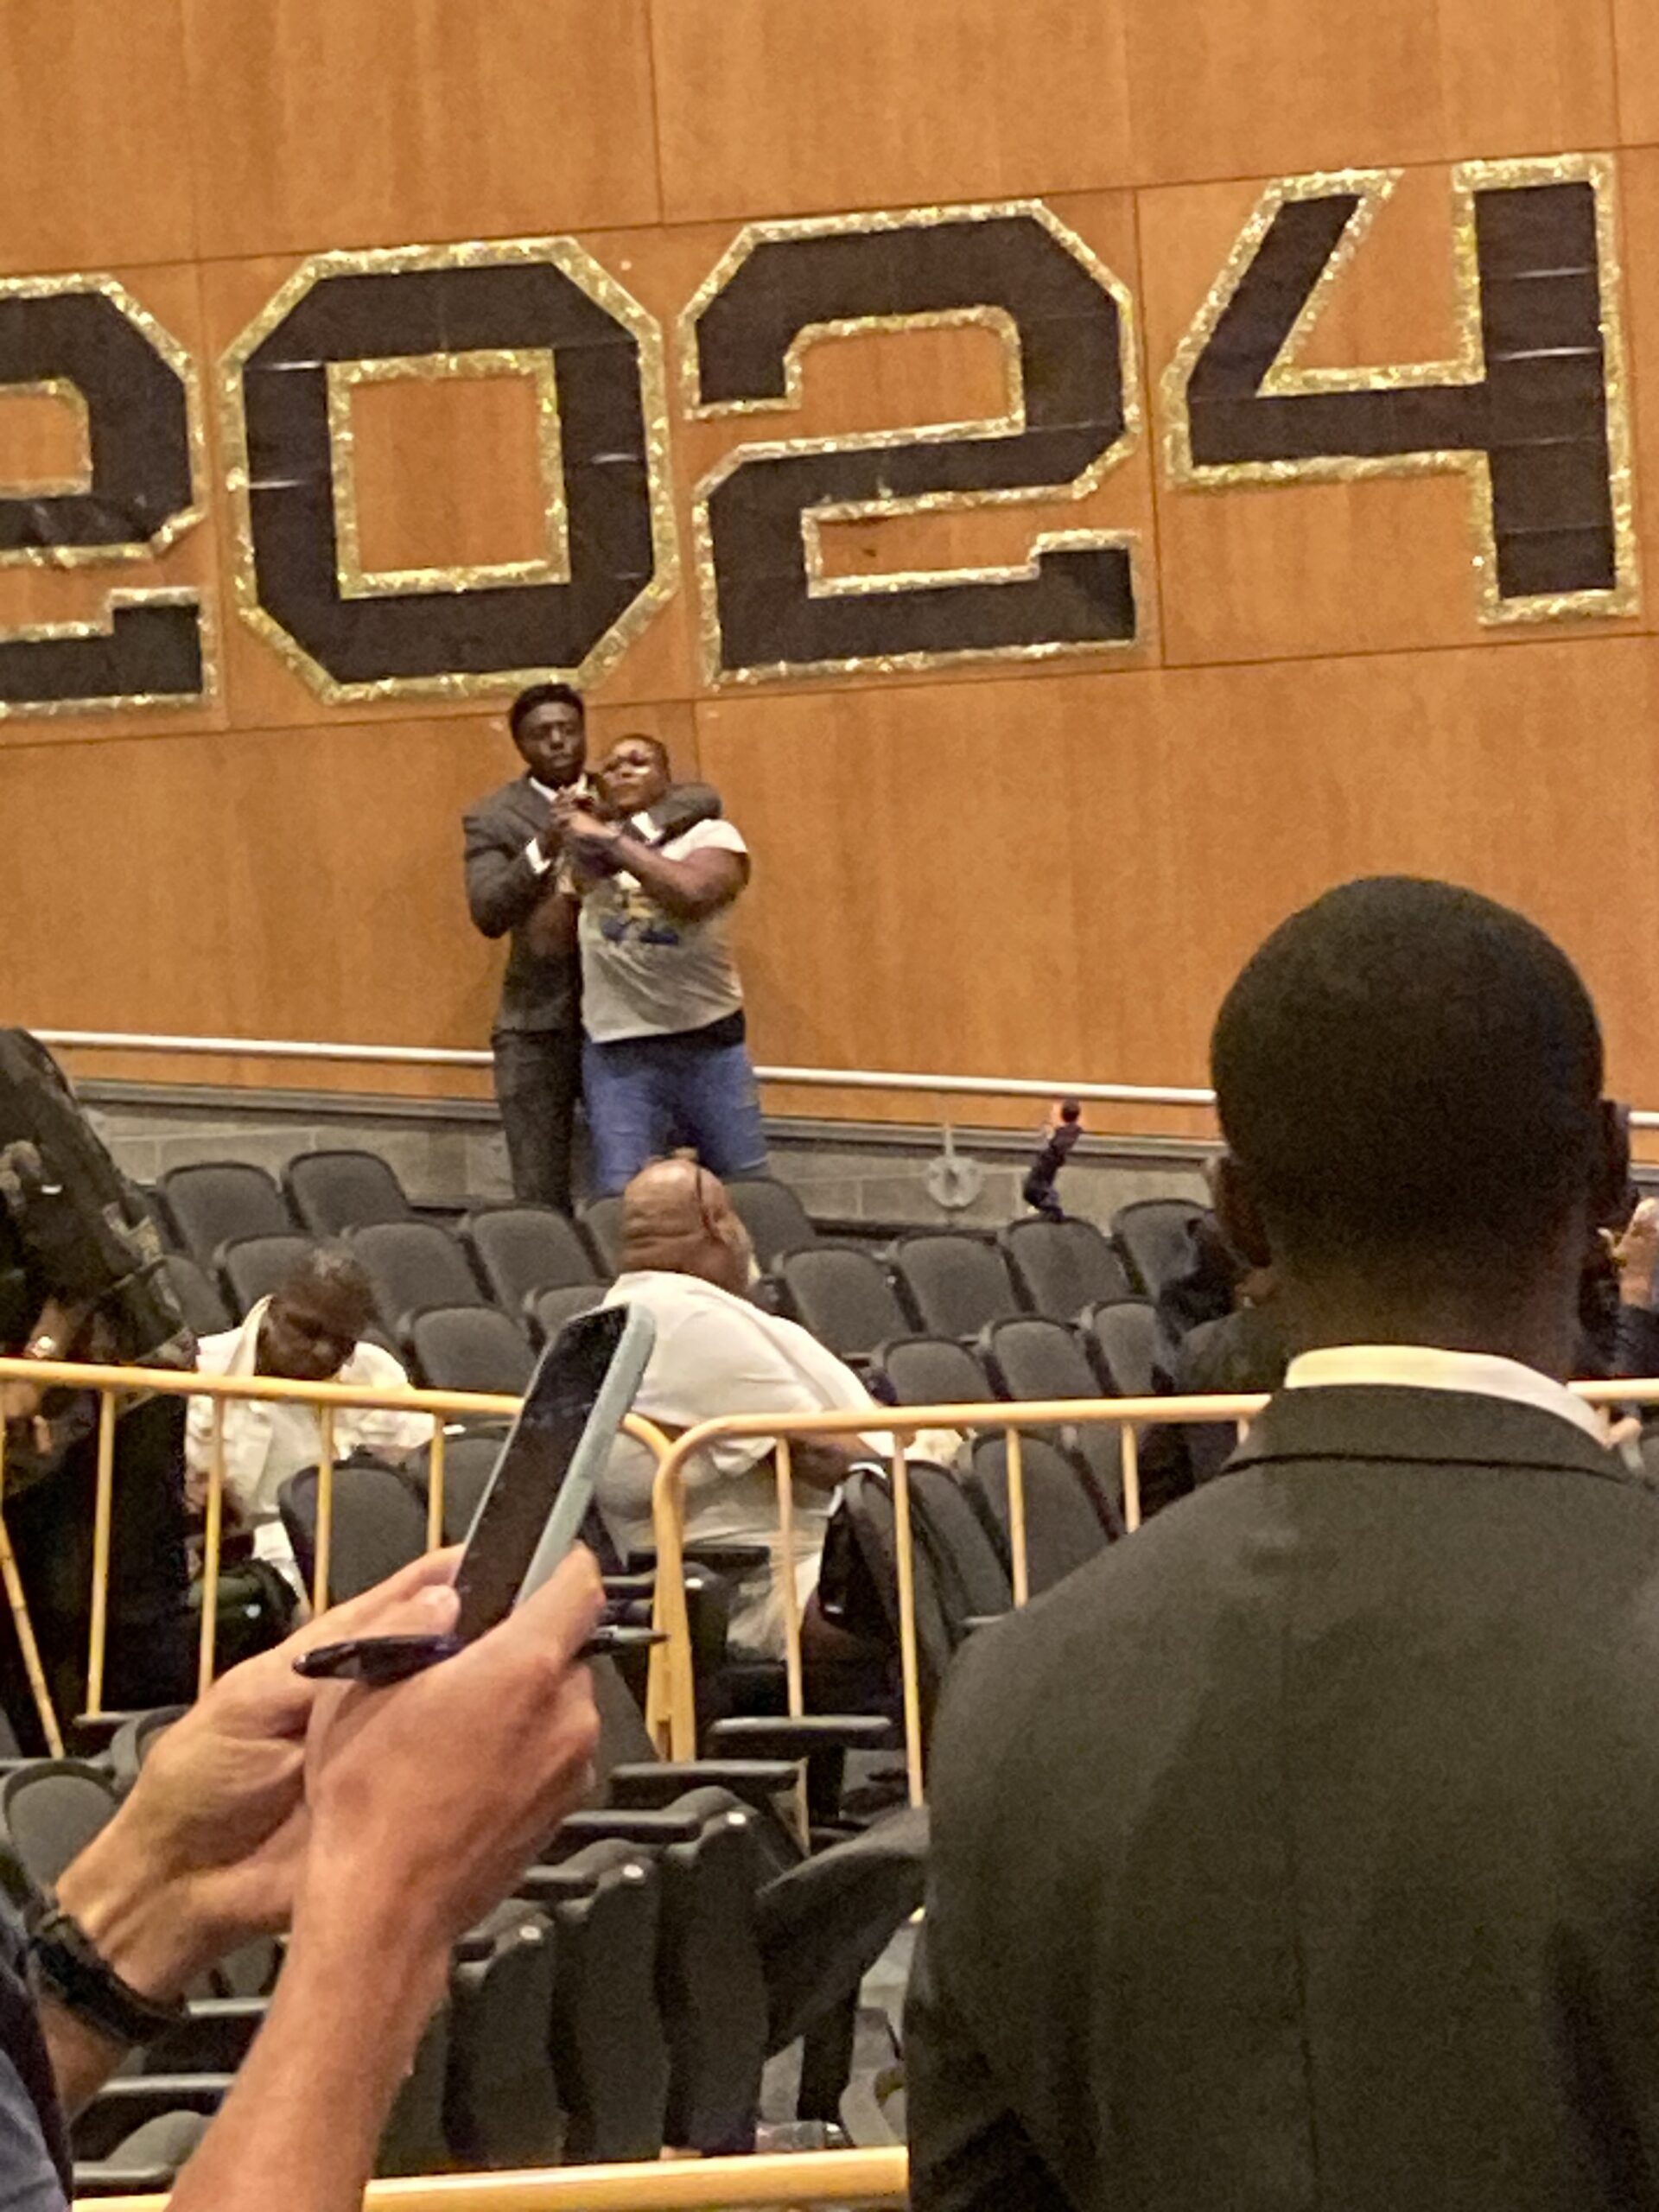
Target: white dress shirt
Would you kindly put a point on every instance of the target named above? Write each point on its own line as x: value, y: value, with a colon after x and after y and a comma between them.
x: 1425, y: 1367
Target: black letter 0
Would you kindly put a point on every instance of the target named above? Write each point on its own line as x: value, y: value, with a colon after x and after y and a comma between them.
x: 520, y: 303
x: 769, y: 609
x: 86, y: 337
x: 1534, y: 408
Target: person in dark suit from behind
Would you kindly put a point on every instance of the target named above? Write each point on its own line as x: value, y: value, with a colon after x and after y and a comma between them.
x: 1304, y: 1849
x: 515, y: 887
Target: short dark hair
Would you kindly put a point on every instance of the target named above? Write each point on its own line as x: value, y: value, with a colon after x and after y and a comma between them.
x: 330, y: 1267
x: 1406, y: 1068
x: 544, y: 694
x: 647, y: 737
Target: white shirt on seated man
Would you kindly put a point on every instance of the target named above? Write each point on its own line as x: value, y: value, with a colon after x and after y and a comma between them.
x: 311, y: 1331
x: 687, y: 1259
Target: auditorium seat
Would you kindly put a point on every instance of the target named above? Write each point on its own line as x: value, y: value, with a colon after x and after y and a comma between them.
x: 772, y: 1214
x: 214, y: 1203
x: 252, y: 1267
x: 413, y: 1265
x: 1155, y: 1238
x: 602, y: 1222
x: 546, y: 1311
x: 1060, y: 1267
x: 1033, y: 1358
x: 1064, y: 1526
x: 930, y: 1371
x: 843, y: 1294
x: 501, y: 2107
x: 470, y: 1348
x: 50, y: 1810
x: 519, y: 1249
x: 1125, y: 1337
x: 333, y: 1191
x: 377, y: 1524
x: 201, y: 1300
x: 955, y: 1284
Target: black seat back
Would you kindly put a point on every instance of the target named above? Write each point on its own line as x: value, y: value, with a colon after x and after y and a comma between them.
x: 603, y: 1220
x: 253, y: 1267
x: 709, y: 1977
x: 955, y: 1284
x: 1155, y: 1238
x: 470, y: 1348
x: 333, y: 1191
x: 932, y: 1371
x: 1033, y: 1358
x: 414, y: 1265
x: 520, y: 1250
x: 501, y: 2104
x: 378, y: 1524
x: 1064, y: 1527
x: 50, y: 1810
x: 213, y: 1202
x: 201, y: 1300
x: 1062, y: 1265
x: 546, y: 1311
x: 1126, y: 1340
x: 610, y: 2056
x: 842, y: 1293
x: 772, y: 1214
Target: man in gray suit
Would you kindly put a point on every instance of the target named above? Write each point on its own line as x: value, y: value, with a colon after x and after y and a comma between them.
x: 513, y: 848
x: 1304, y: 1850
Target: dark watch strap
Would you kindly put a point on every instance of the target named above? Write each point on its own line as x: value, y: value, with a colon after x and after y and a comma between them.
x: 70, y: 1967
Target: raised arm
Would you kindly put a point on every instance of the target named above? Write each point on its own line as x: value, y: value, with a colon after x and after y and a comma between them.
x: 506, y: 877
x: 689, y: 889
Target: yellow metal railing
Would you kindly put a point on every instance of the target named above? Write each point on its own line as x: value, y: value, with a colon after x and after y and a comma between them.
x: 814, y: 2177
x: 326, y: 1400
x: 671, y: 1700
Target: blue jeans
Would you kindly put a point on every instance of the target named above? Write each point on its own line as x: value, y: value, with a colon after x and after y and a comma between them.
x: 643, y: 1091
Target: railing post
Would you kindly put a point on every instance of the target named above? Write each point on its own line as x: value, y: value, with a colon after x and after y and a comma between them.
x: 907, y: 1566
x: 103, y: 1508
x: 435, y: 1488
x: 25, y: 1628
x: 1017, y: 1546
x: 325, y: 1506
x: 212, y: 1537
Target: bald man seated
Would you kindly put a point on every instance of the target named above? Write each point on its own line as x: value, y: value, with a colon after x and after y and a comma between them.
x: 688, y: 1259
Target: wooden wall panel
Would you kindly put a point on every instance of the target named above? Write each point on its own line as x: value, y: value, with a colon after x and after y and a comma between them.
x: 96, y: 121
x: 769, y: 108
x: 1284, y: 85
x: 1041, y: 868
x: 1063, y: 875
x: 390, y: 122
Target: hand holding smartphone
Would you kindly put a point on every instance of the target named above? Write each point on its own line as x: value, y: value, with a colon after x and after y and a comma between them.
x: 537, y: 1498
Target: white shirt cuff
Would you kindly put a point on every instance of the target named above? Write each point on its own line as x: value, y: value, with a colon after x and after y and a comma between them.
x: 536, y: 857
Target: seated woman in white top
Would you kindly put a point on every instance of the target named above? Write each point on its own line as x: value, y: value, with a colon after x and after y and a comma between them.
x: 310, y: 1330
x: 687, y: 1259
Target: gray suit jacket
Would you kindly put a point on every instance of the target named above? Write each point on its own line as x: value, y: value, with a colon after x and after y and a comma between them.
x: 538, y: 990
x: 1304, y: 1850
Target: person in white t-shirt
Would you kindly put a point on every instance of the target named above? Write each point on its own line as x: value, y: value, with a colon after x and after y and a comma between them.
x: 310, y: 1330
x: 664, y: 1052
x: 687, y: 1259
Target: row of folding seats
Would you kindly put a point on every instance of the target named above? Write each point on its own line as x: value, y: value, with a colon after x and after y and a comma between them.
x: 951, y: 1284
x: 467, y: 1310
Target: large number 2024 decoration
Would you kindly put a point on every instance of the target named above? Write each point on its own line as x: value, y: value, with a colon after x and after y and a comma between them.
x: 1532, y: 409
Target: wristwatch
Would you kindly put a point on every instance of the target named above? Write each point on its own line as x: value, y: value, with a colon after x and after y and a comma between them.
x: 71, y: 1968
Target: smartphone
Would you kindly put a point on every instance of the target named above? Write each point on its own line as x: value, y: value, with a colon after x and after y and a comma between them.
x: 537, y: 1498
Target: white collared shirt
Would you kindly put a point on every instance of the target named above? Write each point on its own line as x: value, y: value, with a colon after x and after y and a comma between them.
x: 1427, y: 1367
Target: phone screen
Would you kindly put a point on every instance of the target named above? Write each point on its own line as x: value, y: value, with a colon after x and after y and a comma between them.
x: 530, y: 1472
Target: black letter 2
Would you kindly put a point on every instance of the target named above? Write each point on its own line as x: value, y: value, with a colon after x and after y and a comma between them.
x: 770, y: 610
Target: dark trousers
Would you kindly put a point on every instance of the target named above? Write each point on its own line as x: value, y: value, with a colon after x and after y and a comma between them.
x: 537, y: 1083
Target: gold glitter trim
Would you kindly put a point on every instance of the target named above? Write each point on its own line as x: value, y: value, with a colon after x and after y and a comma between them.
x: 601, y: 287
x: 67, y: 393
x: 1012, y: 421
x: 126, y: 701
x: 175, y: 526
x: 344, y: 378
x: 1286, y: 379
